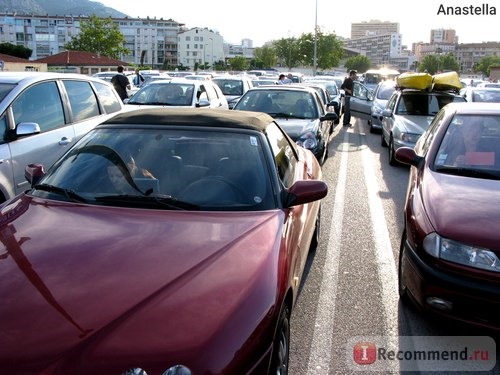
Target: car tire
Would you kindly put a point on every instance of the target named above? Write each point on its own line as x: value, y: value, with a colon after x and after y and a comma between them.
x: 281, y: 344
x: 403, y: 292
x: 317, y: 231
x: 392, y: 152
x: 383, y: 143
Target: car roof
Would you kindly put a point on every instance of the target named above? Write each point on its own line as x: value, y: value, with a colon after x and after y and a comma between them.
x: 15, y: 77
x: 193, y: 117
x: 291, y: 87
x: 473, y: 108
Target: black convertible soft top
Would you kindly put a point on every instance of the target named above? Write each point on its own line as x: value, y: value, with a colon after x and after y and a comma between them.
x: 193, y: 116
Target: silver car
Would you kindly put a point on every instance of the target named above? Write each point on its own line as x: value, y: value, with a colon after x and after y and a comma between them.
x: 408, y: 114
x: 42, y: 115
x: 381, y: 95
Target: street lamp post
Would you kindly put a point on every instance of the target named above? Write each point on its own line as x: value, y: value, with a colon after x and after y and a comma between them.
x: 212, y: 56
x: 315, y: 39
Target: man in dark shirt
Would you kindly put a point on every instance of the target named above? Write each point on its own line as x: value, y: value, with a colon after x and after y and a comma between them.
x: 121, y: 83
x: 348, y: 86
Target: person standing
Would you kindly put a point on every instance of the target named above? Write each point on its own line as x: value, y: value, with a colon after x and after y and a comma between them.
x: 121, y: 83
x: 348, y: 86
x: 138, y: 79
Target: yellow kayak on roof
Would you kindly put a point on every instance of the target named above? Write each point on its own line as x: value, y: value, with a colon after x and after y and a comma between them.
x: 418, y: 81
x: 446, y: 81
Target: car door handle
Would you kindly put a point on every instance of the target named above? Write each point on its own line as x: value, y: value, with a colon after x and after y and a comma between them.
x: 65, y: 141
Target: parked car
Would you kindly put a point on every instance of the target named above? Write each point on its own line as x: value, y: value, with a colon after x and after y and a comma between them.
x: 481, y: 94
x: 408, y: 114
x: 42, y: 115
x: 298, y: 110
x: 381, y: 96
x: 361, y: 101
x: 330, y: 95
x: 179, y: 92
x: 450, y: 249
x: 233, y: 87
x: 107, y: 76
x: 195, y: 270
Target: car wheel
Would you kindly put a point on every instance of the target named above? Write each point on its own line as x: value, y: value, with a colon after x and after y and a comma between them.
x: 392, y: 156
x: 403, y: 292
x: 317, y: 230
x: 382, y: 140
x: 281, y: 345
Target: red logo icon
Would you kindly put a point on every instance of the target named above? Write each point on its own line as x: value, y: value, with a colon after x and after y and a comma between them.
x: 365, y: 353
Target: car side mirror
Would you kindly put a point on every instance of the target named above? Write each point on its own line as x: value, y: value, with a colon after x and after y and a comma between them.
x: 33, y: 173
x: 407, y: 155
x: 203, y: 103
x: 305, y: 191
x: 329, y: 116
x: 387, y: 113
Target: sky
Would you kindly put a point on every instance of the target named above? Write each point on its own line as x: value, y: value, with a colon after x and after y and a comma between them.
x: 265, y: 20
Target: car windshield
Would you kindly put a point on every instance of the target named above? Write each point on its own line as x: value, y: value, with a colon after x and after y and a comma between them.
x: 280, y: 103
x: 230, y: 86
x: 163, y: 169
x: 491, y: 96
x: 164, y: 93
x: 471, y: 147
x: 424, y: 105
x: 5, y: 88
x: 385, y: 91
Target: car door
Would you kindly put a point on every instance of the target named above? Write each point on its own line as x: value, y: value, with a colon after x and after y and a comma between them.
x: 41, y: 103
x: 361, y: 101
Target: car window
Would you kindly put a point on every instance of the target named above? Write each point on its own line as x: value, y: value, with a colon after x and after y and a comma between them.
x: 472, y: 142
x: 5, y: 88
x: 40, y: 103
x: 428, y: 136
x: 109, y: 101
x: 284, y: 154
x: 82, y: 100
x: 391, y: 104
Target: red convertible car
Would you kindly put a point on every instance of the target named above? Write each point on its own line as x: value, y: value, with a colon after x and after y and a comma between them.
x: 165, y: 241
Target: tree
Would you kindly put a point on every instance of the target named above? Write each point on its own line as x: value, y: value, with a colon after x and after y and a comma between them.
x: 101, y: 36
x: 433, y: 64
x: 486, y: 63
x: 429, y: 64
x: 265, y: 57
x: 238, y: 63
x: 287, y: 51
x: 359, y: 63
x: 448, y: 62
x: 17, y: 51
x: 329, y: 50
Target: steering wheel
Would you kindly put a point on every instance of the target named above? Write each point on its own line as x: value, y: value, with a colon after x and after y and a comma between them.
x: 212, y: 190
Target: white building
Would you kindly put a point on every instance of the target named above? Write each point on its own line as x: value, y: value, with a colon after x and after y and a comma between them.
x: 198, y: 46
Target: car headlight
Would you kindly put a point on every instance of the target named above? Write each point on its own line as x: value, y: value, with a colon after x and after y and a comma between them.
x: 376, y: 110
x: 410, y: 137
x: 308, y: 140
x: 453, y: 251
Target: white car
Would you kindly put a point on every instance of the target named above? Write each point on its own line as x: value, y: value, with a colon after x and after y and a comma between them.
x: 179, y: 92
x: 233, y: 87
x: 42, y: 115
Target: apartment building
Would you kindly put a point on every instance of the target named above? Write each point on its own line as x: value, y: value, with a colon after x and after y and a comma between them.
x: 152, y: 40
x: 197, y: 46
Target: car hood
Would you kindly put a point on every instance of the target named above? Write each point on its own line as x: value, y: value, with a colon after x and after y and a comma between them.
x: 86, y: 286
x: 463, y: 208
x: 296, y: 127
x: 413, y: 124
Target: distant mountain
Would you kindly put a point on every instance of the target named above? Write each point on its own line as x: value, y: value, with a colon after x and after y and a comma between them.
x: 59, y: 7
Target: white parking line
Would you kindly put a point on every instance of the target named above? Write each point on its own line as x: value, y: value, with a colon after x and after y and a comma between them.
x: 383, y: 249
x: 321, y: 346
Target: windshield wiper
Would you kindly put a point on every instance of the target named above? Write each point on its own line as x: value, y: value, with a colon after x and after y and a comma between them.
x: 154, y: 200
x: 469, y: 172
x: 284, y: 115
x: 71, y: 195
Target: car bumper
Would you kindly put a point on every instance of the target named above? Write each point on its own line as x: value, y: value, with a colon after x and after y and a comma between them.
x: 466, y: 299
x: 376, y: 121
